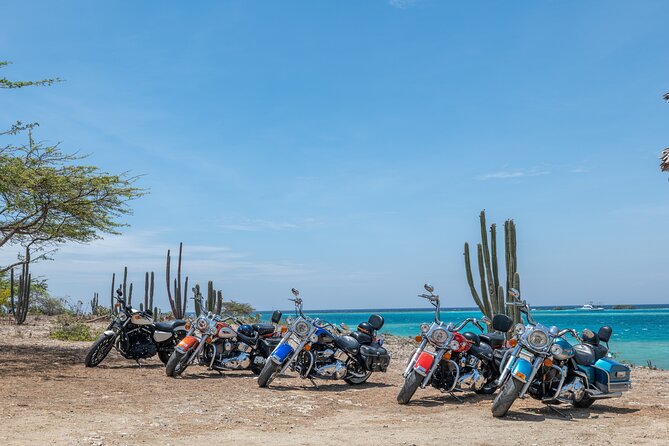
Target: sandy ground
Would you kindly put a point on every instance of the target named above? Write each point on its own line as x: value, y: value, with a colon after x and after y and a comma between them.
x: 49, y: 397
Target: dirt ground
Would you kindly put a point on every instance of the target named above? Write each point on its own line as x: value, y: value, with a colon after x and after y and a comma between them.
x: 49, y: 397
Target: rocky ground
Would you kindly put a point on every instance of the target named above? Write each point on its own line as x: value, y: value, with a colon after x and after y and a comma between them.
x: 49, y: 397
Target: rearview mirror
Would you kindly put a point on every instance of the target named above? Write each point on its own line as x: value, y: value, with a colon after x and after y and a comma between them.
x: 344, y: 326
x: 295, y: 292
x: 486, y: 320
x: 119, y: 293
x: 429, y: 288
x: 514, y: 293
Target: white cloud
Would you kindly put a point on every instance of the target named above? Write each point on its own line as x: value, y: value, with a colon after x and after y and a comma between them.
x: 509, y: 174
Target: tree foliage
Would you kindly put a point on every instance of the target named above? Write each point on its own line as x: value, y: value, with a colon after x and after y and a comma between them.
x: 237, y: 309
x: 6, y: 83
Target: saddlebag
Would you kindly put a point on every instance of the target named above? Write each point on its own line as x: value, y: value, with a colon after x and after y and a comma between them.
x: 376, y: 358
x: 267, y: 346
x: 611, y: 376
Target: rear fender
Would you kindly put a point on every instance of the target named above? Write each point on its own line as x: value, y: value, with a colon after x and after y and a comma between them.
x: 424, y: 363
x: 187, y: 343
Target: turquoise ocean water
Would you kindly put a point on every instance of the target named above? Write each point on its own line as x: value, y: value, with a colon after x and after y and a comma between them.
x: 638, y: 335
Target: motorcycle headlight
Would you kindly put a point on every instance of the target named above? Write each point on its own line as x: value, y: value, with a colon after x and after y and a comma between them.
x: 538, y: 339
x: 302, y: 329
x: 202, y: 324
x: 122, y: 317
x: 424, y: 327
x: 454, y: 345
x: 519, y: 329
x: 556, y: 350
x: 439, y: 336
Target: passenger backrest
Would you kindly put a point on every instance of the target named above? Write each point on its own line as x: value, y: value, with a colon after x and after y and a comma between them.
x: 502, y: 322
x: 276, y: 317
x: 376, y: 321
x: 605, y: 333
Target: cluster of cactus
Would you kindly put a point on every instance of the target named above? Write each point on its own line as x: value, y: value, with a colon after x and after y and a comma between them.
x: 493, y: 298
x: 21, y: 302
x: 214, y: 302
x: 94, y: 304
x: 127, y: 291
x: 178, y: 303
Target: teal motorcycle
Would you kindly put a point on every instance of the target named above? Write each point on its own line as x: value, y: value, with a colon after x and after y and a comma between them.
x: 546, y: 367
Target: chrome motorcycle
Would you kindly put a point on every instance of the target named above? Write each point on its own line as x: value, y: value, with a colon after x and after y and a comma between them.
x: 452, y: 361
x: 223, y: 343
x: 320, y: 350
x: 136, y: 336
x: 548, y: 368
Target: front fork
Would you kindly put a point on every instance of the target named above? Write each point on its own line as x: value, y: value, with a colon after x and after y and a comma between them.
x: 516, y: 366
x: 425, y: 363
x: 288, y: 361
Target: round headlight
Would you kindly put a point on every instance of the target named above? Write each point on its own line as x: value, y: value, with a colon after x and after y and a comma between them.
x: 454, y: 345
x: 290, y: 320
x: 122, y: 317
x: 314, y: 338
x: 519, y: 329
x: 556, y: 350
x: 538, y: 339
x: 439, y: 336
x: 302, y: 328
x: 202, y: 323
x: 424, y: 327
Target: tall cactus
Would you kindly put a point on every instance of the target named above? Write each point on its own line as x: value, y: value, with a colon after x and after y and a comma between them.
x: 492, y: 298
x: 21, y: 302
x: 112, y: 303
x: 94, y: 304
x: 148, y: 290
x: 179, y: 301
x: 214, y: 301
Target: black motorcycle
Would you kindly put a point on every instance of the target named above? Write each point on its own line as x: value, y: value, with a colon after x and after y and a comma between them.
x: 136, y: 336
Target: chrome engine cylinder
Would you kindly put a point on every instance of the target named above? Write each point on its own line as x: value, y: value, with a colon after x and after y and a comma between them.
x: 334, y: 370
x: 472, y: 380
x: 240, y: 361
x: 572, y: 391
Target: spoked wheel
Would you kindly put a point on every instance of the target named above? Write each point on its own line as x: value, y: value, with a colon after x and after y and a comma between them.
x: 178, y: 362
x: 584, y: 402
x: 99, y: 350
x: 164, y: 356
x: 356, y: 374
x: 505, y: 398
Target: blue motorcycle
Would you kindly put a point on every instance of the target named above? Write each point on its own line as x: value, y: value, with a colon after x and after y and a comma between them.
x: 320, y: 350
x: 548, y: 368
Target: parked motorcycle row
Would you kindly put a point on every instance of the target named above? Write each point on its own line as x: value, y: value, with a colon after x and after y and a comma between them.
x: 513, y: 360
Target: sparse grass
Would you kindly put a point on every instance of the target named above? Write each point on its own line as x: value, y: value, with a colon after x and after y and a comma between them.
x: 68, y: 328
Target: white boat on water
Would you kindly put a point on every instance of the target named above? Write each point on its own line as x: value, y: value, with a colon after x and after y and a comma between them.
x: 591, y: 307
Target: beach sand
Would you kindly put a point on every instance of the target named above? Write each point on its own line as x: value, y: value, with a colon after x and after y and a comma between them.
x: 49, y: 397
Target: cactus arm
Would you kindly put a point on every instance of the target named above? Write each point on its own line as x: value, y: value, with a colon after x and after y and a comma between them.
x: 470, y: 279
x: 484, y: 292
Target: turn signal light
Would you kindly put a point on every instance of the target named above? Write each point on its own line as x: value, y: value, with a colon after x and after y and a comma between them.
x: 419, y: 338
x: 548, y: 362
x: 513, y: 342
x: 187, y: 325
x: 307, y: 347
x: 118, y: 305
x: 284, y: 329
x: 446, y: 356
x: 521, y: 375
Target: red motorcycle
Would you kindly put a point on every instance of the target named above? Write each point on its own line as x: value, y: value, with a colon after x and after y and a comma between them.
x: 452, y: 361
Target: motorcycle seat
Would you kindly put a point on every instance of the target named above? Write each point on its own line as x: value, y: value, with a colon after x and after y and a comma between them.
x: 482, y: 351
x: 495, y: 340
x: 600, y: 351
x: 263, y: 329
x: 362, y: 338
x: 169, y: 326
x: 347, y: 343
x: 584, y: 354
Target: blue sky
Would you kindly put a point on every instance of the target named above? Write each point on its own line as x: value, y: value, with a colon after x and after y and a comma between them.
x: 346, y: 148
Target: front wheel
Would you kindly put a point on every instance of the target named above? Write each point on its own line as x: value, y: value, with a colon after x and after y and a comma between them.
x: 99, y: 350
x: 506, y: 397
x: 411, y: 384
x: 177, y: 363
x: 268, y: 373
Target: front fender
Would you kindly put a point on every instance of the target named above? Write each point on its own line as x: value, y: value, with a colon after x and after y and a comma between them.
x: 522, y: 369
x: 187, y: 343
x: 424, y: 363
x: 281, y: 353
x: 109, y: 333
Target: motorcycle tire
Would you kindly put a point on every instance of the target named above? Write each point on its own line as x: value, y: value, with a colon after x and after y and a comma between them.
x: 504, y: 400
x: 177, y: 363
x: 355, y: 380
x: 268, y: 373
x: 99, y: 350
x: 488, y: 389
x: 411, y: 384
x: 164, y: 356
x: 585, y: 402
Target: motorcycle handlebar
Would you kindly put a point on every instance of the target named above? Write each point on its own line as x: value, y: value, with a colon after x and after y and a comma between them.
x: 570, y: 330
x: 462, y: 324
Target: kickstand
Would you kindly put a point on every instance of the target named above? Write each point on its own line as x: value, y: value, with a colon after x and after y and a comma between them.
x: 314, y: 383
x: 457, y: 398
x: 559, y: 412
x: 138, y: 363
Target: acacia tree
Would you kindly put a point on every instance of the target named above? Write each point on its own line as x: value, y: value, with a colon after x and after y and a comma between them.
x: 664, y: 156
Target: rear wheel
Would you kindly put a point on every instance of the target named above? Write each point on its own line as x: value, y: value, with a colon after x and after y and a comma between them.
x: 411, y: 384
x: 506, y: 397
x: 268, y: 373
x: 356, y: 374
x: 584, y: 402
x: 164, y: 356
x: 99, y: 350
x: 177, y: 363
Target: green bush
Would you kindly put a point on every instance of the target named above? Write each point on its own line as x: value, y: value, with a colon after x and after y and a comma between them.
x: 69, y: 328
x: 48, y: 305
